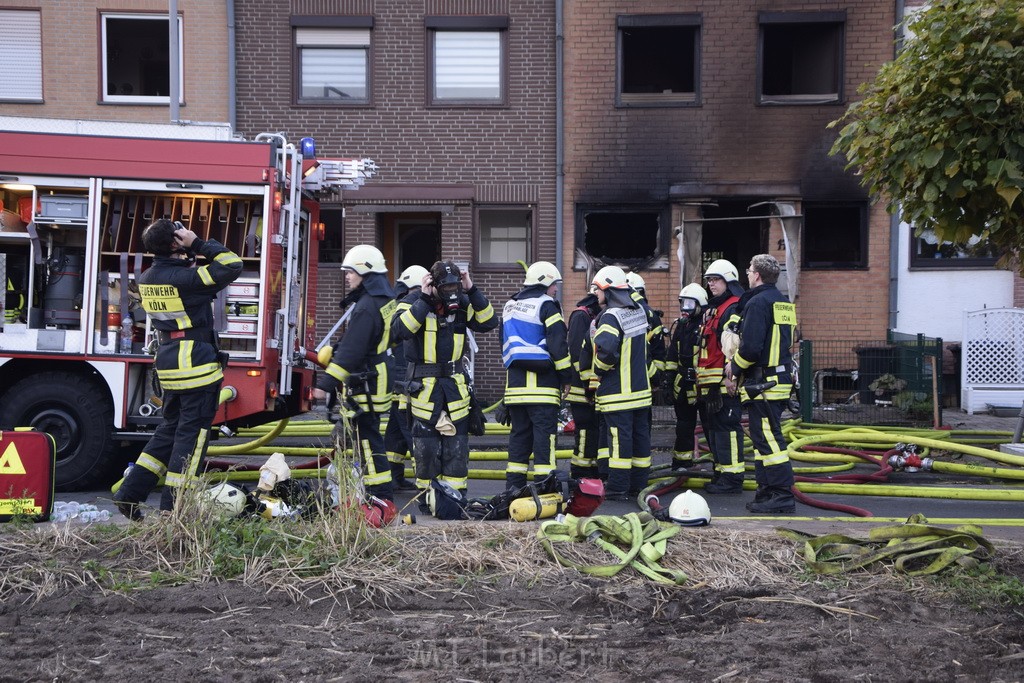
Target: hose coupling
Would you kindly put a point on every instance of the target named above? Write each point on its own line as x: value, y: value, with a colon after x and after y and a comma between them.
x: 910, y: 463
x: 226, y: 431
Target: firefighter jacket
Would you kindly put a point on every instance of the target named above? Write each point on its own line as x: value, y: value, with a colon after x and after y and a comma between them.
x: 681, y: 358
x: 396, y: 354
x: 655, y: 335
x: 766, y: 323
x: 433, y: 345
x: 580, y: 325
x: 620, y: 358
x: 177, y: 298
x: 358, y: 360
x: 534, y: 377
x: 711, y: 360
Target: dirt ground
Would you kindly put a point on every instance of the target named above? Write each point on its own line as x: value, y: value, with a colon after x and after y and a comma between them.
x: 489, y: 626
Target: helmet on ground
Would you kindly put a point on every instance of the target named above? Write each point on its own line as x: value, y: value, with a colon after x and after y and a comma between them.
x: 224, y: 500
x: 694, y: 291
x: 364, y: 259
x: 610, y: 277
x: 689, y: 509
x: 412, y: 276
x: 635, y: 281
x: 723, y: 269
x: 542, y: 273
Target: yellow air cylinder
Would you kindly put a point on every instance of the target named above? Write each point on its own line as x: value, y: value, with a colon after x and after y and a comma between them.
x: 525, y: 509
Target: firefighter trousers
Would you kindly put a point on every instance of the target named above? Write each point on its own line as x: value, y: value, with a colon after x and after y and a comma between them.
x: 397, y: 437
x: 445, y: 458
x: 584, y: 452
x: 684, y: 451
x: 629, y: 450
x: 369, y: 446
x: 772, y: 467
x: 724, y: 433
x: 534, y: 428
x: 177, y: 447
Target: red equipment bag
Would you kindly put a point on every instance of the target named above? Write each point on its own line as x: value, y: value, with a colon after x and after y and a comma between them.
x: 587, y: 497
x: 27, y: 459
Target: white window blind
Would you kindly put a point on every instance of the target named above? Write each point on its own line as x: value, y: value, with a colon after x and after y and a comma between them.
x: 21, y: 54
x: 467, y: 65
x: 333, y: 63
x: 332, y: 37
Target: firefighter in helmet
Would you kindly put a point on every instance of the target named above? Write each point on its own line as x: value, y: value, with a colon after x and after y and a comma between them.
x: 581, y: 391
x: 619, y: 357
x: 722, y: 411
x: 397, y: 437
x: 535, y: 354
x: 358, y: 364
x: 434, y: 328
x: 681, y: 375
x: 188, y: 363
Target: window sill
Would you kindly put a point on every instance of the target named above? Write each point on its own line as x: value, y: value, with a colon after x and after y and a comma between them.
x: 800, y: 100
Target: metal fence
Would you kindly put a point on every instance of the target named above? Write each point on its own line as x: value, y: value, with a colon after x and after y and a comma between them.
x: 893, y: 382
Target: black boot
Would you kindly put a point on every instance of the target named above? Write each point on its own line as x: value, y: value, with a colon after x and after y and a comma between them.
x: 778, y: 502
x: 726, y: 483
x: 398, y: 480
x: 761, y: 494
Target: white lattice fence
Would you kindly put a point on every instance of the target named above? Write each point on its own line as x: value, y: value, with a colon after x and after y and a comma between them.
x: 992, y: 367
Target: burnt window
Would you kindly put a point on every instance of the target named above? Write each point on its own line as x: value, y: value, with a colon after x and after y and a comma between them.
x: 928, y: 251
x: 136, y: 59
x: 835, y: 235
x: 801, y: 58
x: 632, y: 236
x: 658, y: 58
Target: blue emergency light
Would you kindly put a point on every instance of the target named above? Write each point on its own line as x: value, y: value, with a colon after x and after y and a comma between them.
x: 308, y: 147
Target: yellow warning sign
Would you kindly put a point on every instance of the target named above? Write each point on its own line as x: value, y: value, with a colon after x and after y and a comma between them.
x: 10, y: 461
x: 19, y: 506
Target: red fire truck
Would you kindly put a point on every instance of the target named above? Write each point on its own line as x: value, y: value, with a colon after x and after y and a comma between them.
x: 74, y: 340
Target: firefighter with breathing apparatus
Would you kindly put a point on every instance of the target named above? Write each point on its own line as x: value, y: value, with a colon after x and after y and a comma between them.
x: 681, y: 374
x: 358, y: 363
x: 433, y: 329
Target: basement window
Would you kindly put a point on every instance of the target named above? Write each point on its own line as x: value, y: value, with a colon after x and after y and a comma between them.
x: 801, y: 57
x: 835, y: 235
x: 658, y: 60
x: 927, y: 251
x: 631, y: 236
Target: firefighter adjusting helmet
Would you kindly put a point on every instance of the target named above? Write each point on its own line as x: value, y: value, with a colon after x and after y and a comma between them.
x: 364, y: 259
x: 224, y: 500
x: 689, y: 509
x: 447, y: 281
x: 610, y: 277
x: 412, y: 276
x: 542, y: 273
x: 635, y: 281
x: 723, y: 269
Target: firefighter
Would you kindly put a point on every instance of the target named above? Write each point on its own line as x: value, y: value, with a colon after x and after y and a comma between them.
x: 535, y: 353
x: 619, y: 357
x: 188, y: 363
x: 766, y: 323
x: 656, y: 333
x: 681, y: 375
x: 581, y: 391
x: 722, y: 410
x: 359, y: 363
x: 433, y: 329
x: 397, y: 436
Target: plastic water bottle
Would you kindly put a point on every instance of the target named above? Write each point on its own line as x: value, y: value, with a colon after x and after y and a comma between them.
x: 94, y: 515
x: 127, y: 334
x: 333, y: 485
x: 128, y: 470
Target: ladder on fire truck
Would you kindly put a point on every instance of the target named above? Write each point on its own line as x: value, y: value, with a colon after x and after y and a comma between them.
x: 325, y: 175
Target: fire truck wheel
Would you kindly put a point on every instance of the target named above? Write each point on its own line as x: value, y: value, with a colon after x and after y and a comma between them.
x: 78, y: 412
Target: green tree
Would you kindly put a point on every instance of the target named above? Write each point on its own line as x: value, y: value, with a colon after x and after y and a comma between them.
x: 940, y: 131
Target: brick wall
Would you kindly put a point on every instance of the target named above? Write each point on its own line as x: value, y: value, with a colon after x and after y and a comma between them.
x: 72, y: 73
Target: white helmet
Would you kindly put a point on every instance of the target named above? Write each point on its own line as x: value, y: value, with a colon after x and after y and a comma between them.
x: 364, y: 259
x: 635, y: 281
x: 610, y: 277
x: 224, y: 500
x: 689, y: 509
x: 542, y: 273
x: 723, y: 269
x: 694, y: 291
x: 413, y: 276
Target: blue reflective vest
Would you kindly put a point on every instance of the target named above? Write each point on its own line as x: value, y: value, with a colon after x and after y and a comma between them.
x: 523, y: 331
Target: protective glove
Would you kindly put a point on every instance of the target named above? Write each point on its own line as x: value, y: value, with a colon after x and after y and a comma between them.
x: 713, y: 399
x: 502, y: 415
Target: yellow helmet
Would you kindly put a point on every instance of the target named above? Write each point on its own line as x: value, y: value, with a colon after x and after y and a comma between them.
x: 542, y: 273
x: 635, y: 281
x: 723, y: 269
x: 694, y: 291
x: 412, y: 276
x: 611, y: 277
x: 364, y: 259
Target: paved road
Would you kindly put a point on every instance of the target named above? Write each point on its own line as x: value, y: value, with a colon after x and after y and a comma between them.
x: 1001, y: 519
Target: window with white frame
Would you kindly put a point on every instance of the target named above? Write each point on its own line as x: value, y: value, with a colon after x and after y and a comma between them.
x: 22, y: 58
x: 333, y: 65
x: 504, y: 234
x: 136, y: 59
x: 467, y: 59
